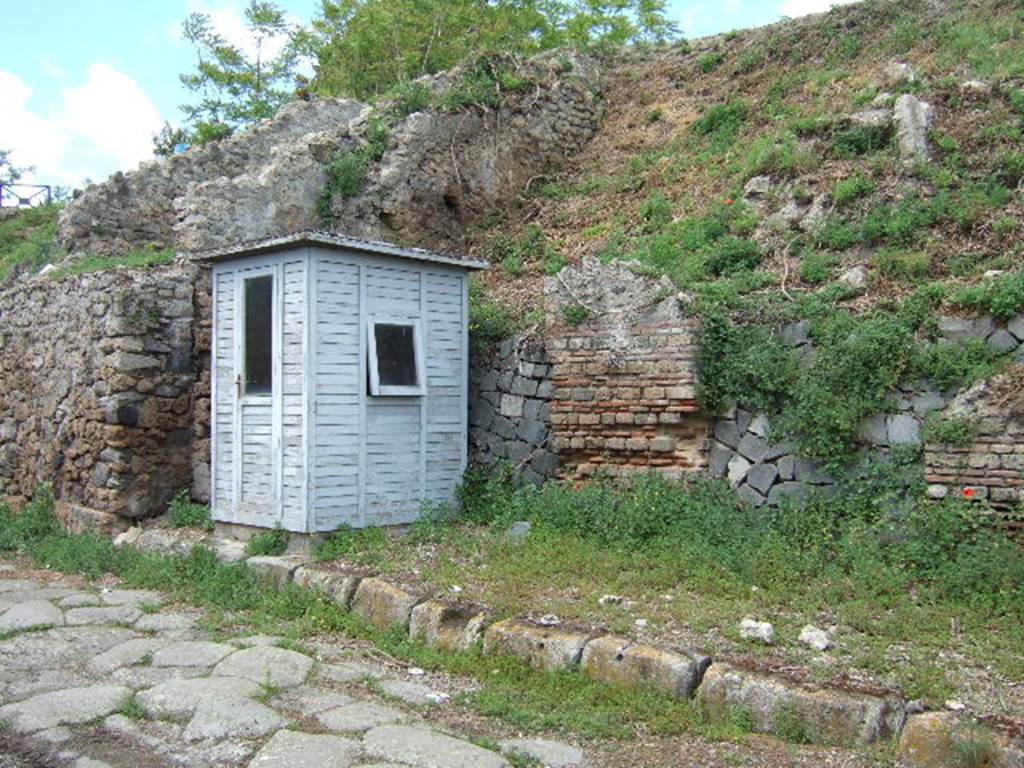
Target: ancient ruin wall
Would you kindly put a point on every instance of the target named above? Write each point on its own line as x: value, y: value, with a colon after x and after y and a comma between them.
x: 98, y: 372
x: 624, y: 377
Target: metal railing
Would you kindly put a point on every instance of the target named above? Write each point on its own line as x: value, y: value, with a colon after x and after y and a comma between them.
x: 24, y: 195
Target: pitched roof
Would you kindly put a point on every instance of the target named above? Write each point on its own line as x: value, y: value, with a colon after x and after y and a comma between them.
x: 334, y: 240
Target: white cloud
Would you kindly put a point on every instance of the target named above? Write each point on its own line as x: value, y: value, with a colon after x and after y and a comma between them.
x: 95, y: 128
x: 794, y: 8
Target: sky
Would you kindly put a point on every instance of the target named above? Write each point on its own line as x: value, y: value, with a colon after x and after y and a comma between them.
x: 84, y: 84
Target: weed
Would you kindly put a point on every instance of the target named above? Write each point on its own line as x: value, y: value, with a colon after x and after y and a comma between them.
x: 1002, y: 296
x: 132, y: 709
x: 489, y: 321
x: 655, y: 115
x: 409, y: 97
x: 852, y: 189
x: 346, y: 176
x: 902, y: 265
x: 780, y: 156
x: 185, y: 513
x: 721, y: 123
x: 732, y: 255
x: 145, y: 257
x: 344, y: 542
x: 28, y: 240
x: 656, y: 212
x: 272, y: 542
x: 857, y: 140
x: 817, y: 267
x: 973, y: 750
x: 709, y: 62
x: 791, y: 725
x: 956, y: 430
x: 575, y: 314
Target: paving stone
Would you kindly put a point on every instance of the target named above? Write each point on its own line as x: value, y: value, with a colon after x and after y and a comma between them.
x: 80, y: 600
x: 347, y: 672
x: 620, y: 661
x: 192, y: 653
x: 291, y: 749
x: 829, y: 716
x: 728, y: 433
x: 66, y: 707
x: 229, y: 550
x: 383, y: 604
x: 787, y: 467
x: 124, y: 655
x: 737, y: 469
x: 278, y: 667
x: 873, y: 429
x: 452, y: 627
x: 30, y: 615
x: 239, y: 718
x: 425, y: 748
x: 545, y: 647
x: 410, y: 692
x: 310, y: 701
x: 253, y: 641
x: 166, y: 622
x: 180, y: 697
x: 56, y: 735
x: 551, y: 754
x: 904, y: 429
x: 138, y: 678
x: 59, y: 648
x: 359, y: 716
x: 45, y: 681
x: 1016, y: 327
x: 1002, y: 341
x: 134, y: 597
x: 19, y: 585
x: 103, y: 615
x: 340, y: 585
x: 88, y: 762
x: 718, y: 459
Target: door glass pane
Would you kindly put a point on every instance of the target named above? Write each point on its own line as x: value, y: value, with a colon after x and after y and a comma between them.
x: 396, y: 355
x: 259, y: 343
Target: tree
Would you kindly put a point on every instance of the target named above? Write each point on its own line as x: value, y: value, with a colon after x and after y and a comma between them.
x: 366, y: 47
x: 10, y: 173
x: 236, y: 87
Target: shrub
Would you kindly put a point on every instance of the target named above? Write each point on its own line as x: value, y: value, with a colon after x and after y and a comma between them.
x: 1002, y: 297
x: 957, y: 429
x: 852, y: 189
x: 779, y: 156
x: 835, y: 234
x: 709, y: 62
x: 901, y: 265
x: 18, y: 531
x: 817, y: 267
x: 731, y: 255
x: 575, y: 314
x: 958, y: 364
x: 409, y: 97
x: 489, y: 322
x: 1010, y: 168
x: 185, y: 513
x: 856, y: 140
x: 272, y: 542
x: 902, y: 223
x: 721, y: 123
x: 346, y: 175
x: 28, y: 240
x: 656, y: 212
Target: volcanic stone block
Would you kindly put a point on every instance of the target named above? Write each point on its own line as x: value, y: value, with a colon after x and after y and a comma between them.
x: 383, y: 604
x: 619, y: 661
x: 544, y: 647
x: 450, y: 627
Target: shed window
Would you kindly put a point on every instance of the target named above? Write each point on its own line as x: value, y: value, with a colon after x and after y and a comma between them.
x: 259, y: 343
x: 395, y: 358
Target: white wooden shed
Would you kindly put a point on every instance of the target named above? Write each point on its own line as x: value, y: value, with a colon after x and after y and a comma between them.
x: 339, y: 381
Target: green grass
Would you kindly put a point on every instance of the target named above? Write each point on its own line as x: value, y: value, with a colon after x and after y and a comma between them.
x: 273, y: 542
x: 93, y: 263
x: 185, y: 513
x: 28, y: 240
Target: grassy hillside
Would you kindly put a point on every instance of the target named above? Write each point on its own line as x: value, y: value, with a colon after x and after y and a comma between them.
x: 688, y: 127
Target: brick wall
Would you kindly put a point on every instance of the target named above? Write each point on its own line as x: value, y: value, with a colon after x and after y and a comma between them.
x: 991, y: 466
x: 624, y: 396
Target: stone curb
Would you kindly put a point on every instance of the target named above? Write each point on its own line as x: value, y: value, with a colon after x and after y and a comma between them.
x: 773, y: 703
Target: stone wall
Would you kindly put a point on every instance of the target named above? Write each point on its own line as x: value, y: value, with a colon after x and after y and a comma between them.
x: 766, y: 470
x: 509, y: 418
x: 442, y: 170
x: 624, y: 396
x: 991, y: 465
x: 98, y: 372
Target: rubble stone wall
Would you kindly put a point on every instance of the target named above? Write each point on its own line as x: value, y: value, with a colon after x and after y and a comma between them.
x: 509, y: 413
x: 98, y: 372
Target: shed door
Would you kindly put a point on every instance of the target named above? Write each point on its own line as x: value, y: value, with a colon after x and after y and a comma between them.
x: 257, y: 397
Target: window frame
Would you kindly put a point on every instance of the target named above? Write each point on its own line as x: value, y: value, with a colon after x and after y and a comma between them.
x: 256, y: 273
x: 390, y: 390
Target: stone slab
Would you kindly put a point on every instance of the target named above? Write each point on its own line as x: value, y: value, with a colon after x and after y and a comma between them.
x: 411, y: 692
x: 340, y: 585
x: 359, y: 716
x: 425, y: 748
x: 179, y: 698
x: 276, y: 569
x: 619, y: 661
x: 551, y: 754
x: 291, y: 749
x: 66, y: 707
x: 774, y: 704
x: 383, y: 604
x: 124, y: 655
x: 235, y: 718
x: 267, y: 665
x: 109, y: 615
x: 452, y: 627
x: 544, y: 647
x: 191, y: 653
x: 32, y: 614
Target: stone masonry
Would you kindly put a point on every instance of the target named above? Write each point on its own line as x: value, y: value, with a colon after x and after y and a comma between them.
x: 991, y: 466
x: 509, y: 416
x: 624, y: 378
x: 98, y: 373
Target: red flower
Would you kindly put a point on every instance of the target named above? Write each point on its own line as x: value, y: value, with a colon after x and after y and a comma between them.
x: 728, y: 201
x: 968, y: 493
